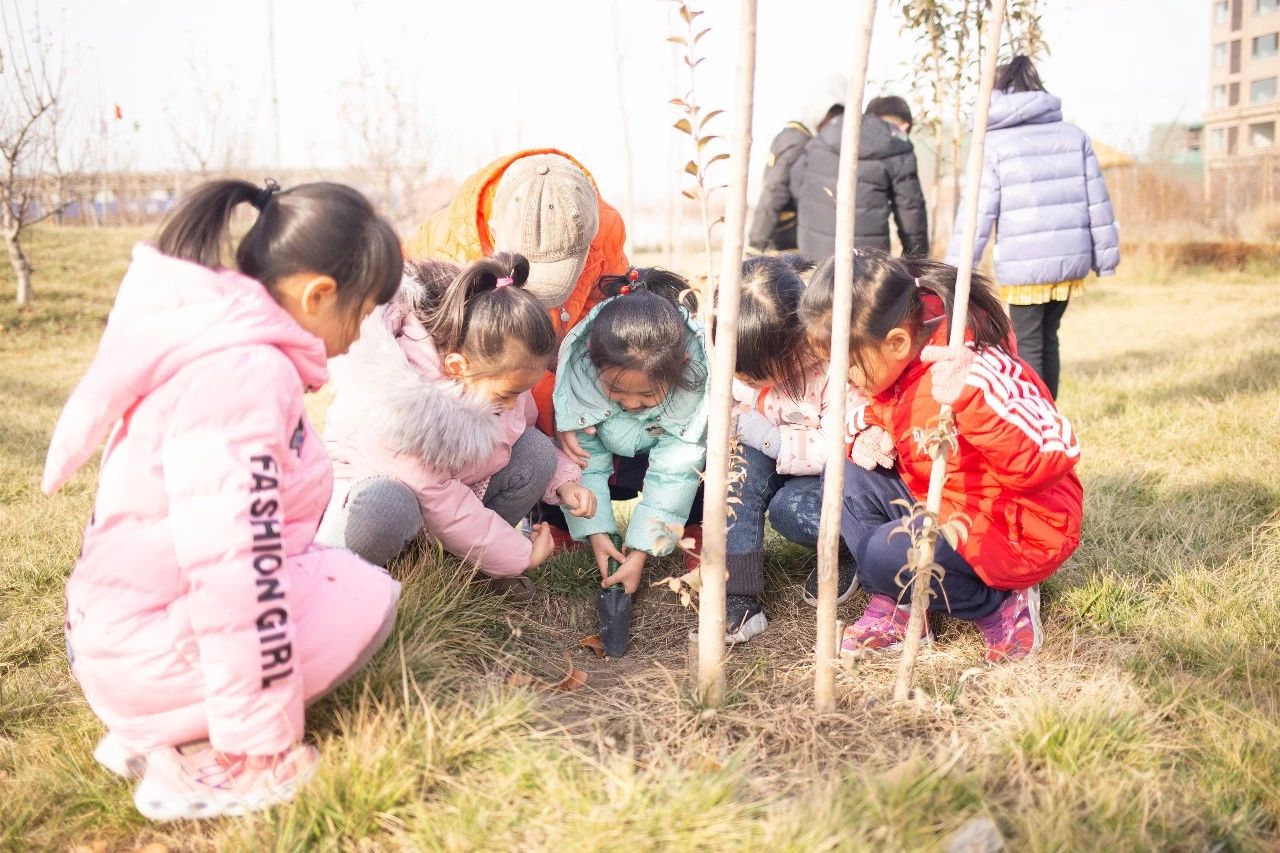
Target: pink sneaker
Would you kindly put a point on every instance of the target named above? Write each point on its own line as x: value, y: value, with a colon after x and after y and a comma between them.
x: 1013, y: 632
x: 881, y: 628
x: 184, y: 784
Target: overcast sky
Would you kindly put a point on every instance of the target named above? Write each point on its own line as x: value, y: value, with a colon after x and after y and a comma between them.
x: 483, y: 76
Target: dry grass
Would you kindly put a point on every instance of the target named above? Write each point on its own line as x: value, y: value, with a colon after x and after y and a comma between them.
x: 1150, y: 721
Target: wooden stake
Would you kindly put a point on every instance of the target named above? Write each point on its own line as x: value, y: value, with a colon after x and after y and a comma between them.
x: 958, y: 321
x: 824, y: 683
x: 711, y: 598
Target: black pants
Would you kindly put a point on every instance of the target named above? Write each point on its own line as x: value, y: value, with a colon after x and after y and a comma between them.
x: 624, y: 485
x: 870, y: 526
x: 1036, y: 329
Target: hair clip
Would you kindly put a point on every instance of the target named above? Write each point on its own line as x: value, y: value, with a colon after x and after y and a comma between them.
x: 264, y: 196
x: 624, y: 290
x: 505, y: 281
x: 633, y: 275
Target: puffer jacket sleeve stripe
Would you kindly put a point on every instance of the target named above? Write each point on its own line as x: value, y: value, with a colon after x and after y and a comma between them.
x: 223, y: 466
x: 1102, y: 220
x: 1026, y: 443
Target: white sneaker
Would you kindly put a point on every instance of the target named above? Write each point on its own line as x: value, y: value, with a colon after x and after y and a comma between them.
x: 202, y: 783
x: 744, y: 619
x: 112, y: 754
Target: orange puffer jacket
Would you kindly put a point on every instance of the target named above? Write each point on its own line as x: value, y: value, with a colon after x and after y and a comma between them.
x: 1013, y: 474
x: 460, y: 233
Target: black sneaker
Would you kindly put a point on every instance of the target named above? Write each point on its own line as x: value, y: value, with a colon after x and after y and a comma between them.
x: 743, y: 618
x: 846, y: 584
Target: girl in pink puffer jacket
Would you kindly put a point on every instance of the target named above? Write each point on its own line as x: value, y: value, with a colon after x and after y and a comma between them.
x: 432, y: 423
x: 199, y: 607
x: 780, y: 390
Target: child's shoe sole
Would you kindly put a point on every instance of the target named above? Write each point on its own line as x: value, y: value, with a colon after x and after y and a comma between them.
x: 155, y: 802
x: 896, y: 648
x: 113, y: 755
x: 753, y: 627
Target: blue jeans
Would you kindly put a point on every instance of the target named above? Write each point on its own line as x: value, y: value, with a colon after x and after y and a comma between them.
x: 793, y: 506
x: 870, y: 516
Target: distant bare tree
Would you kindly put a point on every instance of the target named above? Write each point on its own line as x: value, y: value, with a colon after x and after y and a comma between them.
x: 390, y: 141
x: 31, y: 100
x: 1026, y: 35
x: 209, y: 137
x: 927, y: 21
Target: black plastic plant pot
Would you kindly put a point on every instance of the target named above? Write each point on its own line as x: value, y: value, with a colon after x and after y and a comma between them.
x: 613, y: 607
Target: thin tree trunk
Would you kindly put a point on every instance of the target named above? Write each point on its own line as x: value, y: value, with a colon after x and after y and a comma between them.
x: 711, y: 598
x: 935, y: 203
x: 21, y: 266
x: 624, y: 125
x: 959, y: 316
x: 824, y: 678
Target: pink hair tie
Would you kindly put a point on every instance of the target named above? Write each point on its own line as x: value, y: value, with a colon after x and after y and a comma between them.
x: 505, y: 281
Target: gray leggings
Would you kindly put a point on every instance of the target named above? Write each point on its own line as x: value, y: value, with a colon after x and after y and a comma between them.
x: 381, y: 516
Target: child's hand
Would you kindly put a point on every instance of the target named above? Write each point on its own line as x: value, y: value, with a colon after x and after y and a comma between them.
x: 871, y: 448
x: 543, y: 544
x: 949, y: 371
x: 603, y: 549
x: 577, y: 499
x: 568, y: 442
x: 628, y: 574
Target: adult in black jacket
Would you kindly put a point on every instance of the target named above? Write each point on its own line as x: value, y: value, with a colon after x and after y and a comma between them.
x: 773, y: 226
x: 888, y: 185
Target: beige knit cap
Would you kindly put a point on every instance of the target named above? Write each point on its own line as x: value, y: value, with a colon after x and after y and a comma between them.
x: 546, y: 209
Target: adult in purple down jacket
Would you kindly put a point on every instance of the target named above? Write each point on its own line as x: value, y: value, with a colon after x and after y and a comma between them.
x: 1042, y: 190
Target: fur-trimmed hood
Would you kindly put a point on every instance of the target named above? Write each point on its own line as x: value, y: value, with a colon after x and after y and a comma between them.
x: 391, y: 382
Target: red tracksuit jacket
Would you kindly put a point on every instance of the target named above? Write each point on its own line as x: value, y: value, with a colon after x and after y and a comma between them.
x: 1013, y: 475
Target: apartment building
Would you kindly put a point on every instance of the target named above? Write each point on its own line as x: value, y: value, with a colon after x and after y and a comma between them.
x: 1244, y: 67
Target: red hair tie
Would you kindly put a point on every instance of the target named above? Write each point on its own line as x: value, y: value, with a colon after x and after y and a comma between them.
x: 624, y: 290
x: 634, y: 275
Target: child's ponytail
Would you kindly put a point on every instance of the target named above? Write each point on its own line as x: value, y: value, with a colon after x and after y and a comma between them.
x: 890, y: 292
x: 483, y: 309
x: 655, y: 280
x: 986, y: 320
x: 324, y: 228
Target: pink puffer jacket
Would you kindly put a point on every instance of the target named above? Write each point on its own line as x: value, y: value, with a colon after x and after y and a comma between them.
x: 186, y: 609
x: 395, y: 414
x: 800, y: 421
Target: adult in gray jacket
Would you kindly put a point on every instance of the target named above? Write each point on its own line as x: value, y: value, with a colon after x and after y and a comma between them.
x: 1042, y: 191
x: 888, y: 184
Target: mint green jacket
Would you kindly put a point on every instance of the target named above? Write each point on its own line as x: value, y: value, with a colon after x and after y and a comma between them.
x: 674, y: 433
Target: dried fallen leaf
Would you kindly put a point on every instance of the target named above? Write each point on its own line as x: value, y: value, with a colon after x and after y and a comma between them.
x: 572, y: 681
x: 592, y: 641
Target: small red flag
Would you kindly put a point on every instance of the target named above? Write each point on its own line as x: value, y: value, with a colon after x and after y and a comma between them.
x: 119, y: 112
